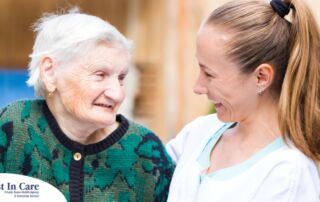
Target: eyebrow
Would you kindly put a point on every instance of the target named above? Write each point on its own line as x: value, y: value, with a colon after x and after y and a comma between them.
x: 108, y: 67
x: 125, y: 71
x: 202, y: 65
x: 207, y: 69
x: 99, y: 66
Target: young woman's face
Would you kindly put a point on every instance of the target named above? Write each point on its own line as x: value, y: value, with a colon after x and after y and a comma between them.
x: 232, y: 92
x: 91, y: 88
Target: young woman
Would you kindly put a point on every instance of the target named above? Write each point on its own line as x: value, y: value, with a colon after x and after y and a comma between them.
x: 262, y: 73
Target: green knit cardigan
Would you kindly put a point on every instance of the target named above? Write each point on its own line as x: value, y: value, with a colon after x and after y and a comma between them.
x: 131, y: 164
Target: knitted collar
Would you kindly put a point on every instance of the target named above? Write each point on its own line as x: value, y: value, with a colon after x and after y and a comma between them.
x: 111, y: 139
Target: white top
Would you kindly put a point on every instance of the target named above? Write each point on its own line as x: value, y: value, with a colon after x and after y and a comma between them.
x: 276, y: 173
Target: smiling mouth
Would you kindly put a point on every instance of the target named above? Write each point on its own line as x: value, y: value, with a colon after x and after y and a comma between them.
x: 107, y: 106
x: 217, y: 105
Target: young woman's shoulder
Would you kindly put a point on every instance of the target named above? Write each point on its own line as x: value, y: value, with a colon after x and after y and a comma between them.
x: 193, y: 136
x: 295, y: 160
x: 290, y: 175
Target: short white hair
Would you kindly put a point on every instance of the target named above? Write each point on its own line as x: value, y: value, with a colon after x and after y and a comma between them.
x: 67, y: 36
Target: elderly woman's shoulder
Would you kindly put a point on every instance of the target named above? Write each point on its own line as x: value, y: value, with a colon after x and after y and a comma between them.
x: 136, y: 127
x: 21, y: 108
x: 148, y: 145
x: 142, y: 131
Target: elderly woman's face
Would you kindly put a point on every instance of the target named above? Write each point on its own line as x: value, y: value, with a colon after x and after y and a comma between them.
x: 91, y: 88
x: 232, y: 93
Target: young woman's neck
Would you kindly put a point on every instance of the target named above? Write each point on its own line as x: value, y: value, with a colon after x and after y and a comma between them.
x: 262, y: 124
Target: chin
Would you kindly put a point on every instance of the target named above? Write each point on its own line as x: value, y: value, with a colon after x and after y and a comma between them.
x: 109, y: 121
x: 223, y: 118
x: 105, y: 121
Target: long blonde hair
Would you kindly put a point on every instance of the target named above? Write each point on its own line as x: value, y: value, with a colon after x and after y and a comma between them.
x: 293, y: 49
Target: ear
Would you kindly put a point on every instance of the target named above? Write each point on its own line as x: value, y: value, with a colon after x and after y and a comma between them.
x: 47, y: 73
x: 264, y: 74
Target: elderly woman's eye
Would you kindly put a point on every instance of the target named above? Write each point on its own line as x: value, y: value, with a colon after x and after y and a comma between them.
x: 121, y: 78
x: 100, y: 74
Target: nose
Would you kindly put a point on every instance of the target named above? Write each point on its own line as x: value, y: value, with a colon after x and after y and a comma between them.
x: 200, y: 86
x: 114, y: 90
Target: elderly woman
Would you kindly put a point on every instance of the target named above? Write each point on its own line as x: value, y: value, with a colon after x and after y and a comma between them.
x: 262, y: 73
x: 74, y: 139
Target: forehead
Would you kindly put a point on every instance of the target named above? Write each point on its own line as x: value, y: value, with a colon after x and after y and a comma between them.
x: 112, y: 53
x: 103, y: 55
x: 213, y: 44
x: 213, y: 38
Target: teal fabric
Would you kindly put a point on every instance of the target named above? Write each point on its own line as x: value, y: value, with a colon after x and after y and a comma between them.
x: 230, y: 172
x: 134, y: 167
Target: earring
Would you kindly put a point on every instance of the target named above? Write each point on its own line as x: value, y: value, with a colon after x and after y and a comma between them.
x: 259, y: 90
x: 50, y: 94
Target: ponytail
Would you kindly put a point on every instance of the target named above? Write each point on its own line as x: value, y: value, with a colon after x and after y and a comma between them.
x: 262, y: 35
x: 299, y: 104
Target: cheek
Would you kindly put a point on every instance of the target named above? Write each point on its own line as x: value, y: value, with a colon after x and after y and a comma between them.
x: 122, y: 95
x: 219, y: 90
x: 233, y: 91
x: 241, y: 101
x: 75, y: 98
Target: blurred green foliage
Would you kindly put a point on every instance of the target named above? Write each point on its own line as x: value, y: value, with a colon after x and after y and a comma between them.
x: 212, y: 110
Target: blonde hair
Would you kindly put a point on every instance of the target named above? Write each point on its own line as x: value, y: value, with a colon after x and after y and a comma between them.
x: 260, y: 35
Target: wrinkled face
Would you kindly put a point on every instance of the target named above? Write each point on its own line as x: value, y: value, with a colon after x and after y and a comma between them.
x: 232, y: 92
x: 91, y: 88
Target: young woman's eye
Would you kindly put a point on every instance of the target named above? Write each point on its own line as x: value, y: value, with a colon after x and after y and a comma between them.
x: 208, y: 75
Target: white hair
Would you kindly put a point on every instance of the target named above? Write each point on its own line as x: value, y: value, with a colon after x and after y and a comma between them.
x: 67, y: 36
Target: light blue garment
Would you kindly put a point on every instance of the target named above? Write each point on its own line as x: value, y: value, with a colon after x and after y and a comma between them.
x: 229, y: 172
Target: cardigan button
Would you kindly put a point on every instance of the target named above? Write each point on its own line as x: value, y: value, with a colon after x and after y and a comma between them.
x: 77, y: 156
